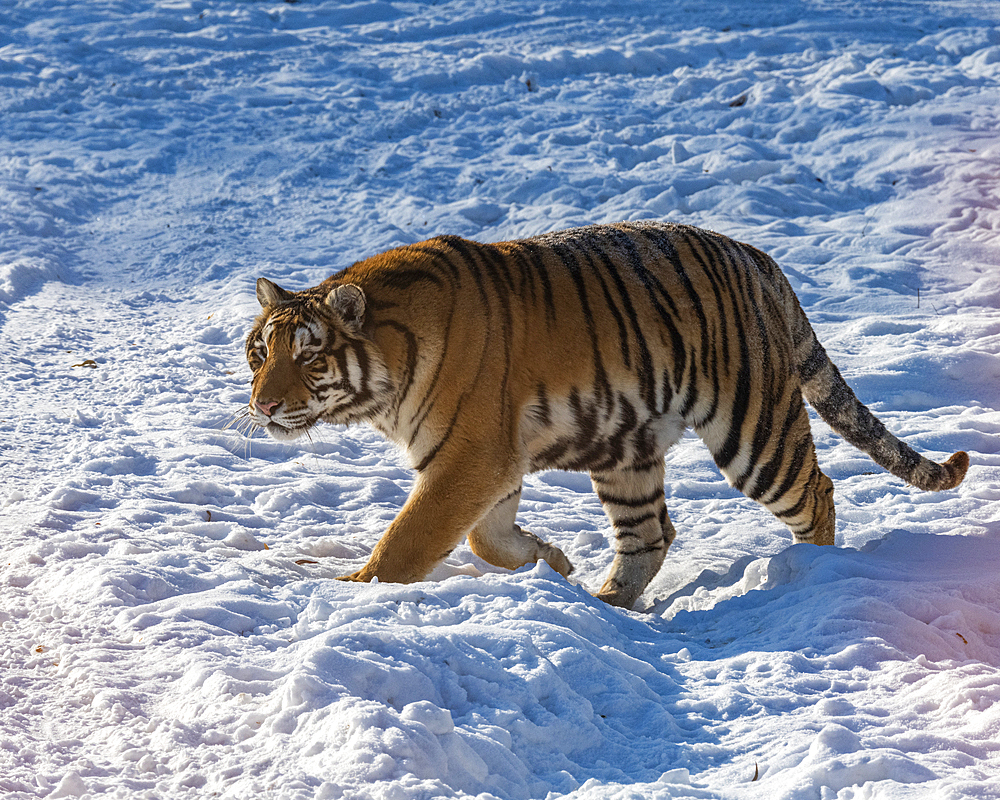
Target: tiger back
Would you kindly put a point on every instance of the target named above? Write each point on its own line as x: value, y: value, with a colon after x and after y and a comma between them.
x: 591, y: 349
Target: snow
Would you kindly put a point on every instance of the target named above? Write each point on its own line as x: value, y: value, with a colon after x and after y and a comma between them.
x: 168, y: 622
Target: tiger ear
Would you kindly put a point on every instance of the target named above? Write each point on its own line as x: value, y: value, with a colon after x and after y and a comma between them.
x: 348, y: 301
x: 270, y: 294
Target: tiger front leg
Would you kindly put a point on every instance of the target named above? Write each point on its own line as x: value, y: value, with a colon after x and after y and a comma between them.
x: 634, y: 501
x: 446, y: 502
x: 498, y: 540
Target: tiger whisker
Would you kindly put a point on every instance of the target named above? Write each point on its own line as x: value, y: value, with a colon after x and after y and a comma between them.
x: 242, y: 423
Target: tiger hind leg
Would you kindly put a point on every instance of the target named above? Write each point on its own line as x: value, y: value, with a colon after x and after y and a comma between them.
x: 785, y: 478
x: 800, y: 495
x: 633, y: 499
x: 811, y: 518
x: 498, y: 540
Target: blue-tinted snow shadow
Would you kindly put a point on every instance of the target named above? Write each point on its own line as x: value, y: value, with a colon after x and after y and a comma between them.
x: 905, y: 594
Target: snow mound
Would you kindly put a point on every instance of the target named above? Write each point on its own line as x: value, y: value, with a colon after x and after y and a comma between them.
x: 170, y: 622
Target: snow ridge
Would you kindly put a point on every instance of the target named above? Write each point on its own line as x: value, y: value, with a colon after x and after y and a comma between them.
x: 169, y: 626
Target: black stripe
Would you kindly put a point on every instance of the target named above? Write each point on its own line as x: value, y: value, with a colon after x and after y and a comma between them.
x: 807, y: 495
x: 740, y: 400
x: 769, y: 472
x: 645, y: 443
x: 536, y: 257
x: 651, y: 548
x: 551, y: 455
x: 572, y: 265
x: 406, y: 380
x: 610, y: 453
x: 501, y: 279
x: 435, y: 248
x: 427, y: 459
x: 773, y: 381
x: 711, y: 362
x: 585, y: 419
x: 645, y: 371
x: 655, y: 290
x: 544, y: 412
x: 637, y: 502
x: 634, y: 522
x: 692, y: 386
x: 609, y: 300
x: 668, y: 393
x: 403, y: 279
x: 710, y: 267
x: 426, y: 403
x: 804, y: 446
x: 463, y: 249
x: 509, y: 495
x: 661, y: 239
x: 525, y: 274
x: 815, y: 361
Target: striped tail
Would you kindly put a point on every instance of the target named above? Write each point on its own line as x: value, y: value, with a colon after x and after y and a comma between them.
x: 827, y: 392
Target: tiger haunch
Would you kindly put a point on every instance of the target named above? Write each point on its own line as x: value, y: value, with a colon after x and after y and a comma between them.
x: 590, y: 349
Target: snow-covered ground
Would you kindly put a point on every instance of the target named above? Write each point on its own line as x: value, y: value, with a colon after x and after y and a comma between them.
x: 168, y: 622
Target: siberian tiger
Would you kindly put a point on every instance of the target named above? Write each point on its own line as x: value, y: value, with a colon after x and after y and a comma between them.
x: 590, y: 349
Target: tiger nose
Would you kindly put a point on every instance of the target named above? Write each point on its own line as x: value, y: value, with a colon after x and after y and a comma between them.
x: 267, y: 406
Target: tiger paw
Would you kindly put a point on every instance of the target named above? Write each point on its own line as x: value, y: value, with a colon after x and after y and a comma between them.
x: 556, y: 559
x: 617, y: 594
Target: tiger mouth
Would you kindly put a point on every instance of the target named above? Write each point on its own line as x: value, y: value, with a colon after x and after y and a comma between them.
x: 283, y: 433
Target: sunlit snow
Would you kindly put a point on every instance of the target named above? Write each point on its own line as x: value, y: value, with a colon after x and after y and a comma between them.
x: 169, y: 626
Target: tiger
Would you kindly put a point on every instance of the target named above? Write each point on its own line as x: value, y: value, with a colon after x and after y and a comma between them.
x: 591, y: 349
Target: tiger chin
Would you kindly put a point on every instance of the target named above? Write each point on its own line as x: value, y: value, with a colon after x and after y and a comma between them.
x: 590, y: 349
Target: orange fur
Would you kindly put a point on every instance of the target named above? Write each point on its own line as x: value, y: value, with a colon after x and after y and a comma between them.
x: 590, y: 349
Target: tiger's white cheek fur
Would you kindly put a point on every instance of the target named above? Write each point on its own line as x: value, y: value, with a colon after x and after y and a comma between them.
x: 309, y: 339
x: 331, y: 390
x: 355, y: 375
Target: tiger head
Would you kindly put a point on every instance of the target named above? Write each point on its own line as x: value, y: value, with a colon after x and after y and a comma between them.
x: 312, y: 360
